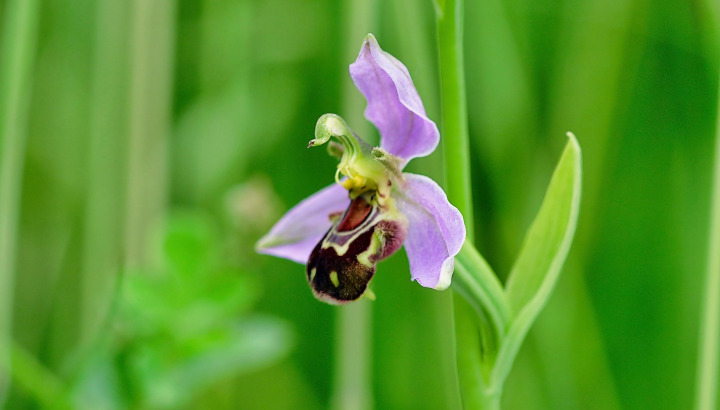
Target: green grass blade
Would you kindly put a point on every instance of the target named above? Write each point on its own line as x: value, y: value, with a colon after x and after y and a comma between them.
x: 36, y: 380
x: 102, y: 230
x: 544, y: 250
x: 708, y: 359
x: 151, y: 57
x: 17, y: 52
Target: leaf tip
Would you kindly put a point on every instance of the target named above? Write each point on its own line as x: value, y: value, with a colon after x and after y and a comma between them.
x: 573, y: 139
x: 573, y: 142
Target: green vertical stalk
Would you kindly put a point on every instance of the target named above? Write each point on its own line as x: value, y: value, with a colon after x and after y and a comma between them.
x: 455, y: 136
x: 103, y: 214
x: 352, y: 374
x: 352, y: 387
x: 458, y: 186
x: 473, y: 384
x: 708, y: 359
x: 151, y: 58
x: 17, y: 53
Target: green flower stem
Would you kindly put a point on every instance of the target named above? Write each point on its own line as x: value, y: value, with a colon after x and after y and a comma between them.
x: 457, y: 172
x: 151, y: 58
x: 708, y: 360
x: 102, y: 228
x: 454, y: 109
x: 480, y: 339
x: 17, y: 52
x: 473, y: 375
x: 352, y: 385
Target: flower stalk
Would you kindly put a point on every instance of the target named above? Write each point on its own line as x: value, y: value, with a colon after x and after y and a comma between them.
x: 455, y: 139
x: 708, y: 358
x: 18, y: 54
x: 472, y: 368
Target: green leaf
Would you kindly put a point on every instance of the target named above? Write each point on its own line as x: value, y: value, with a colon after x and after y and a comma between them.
x: 39, y: 382
x: 174, y: 378
x: 190, y: 244
x: 475, y: 280
x: 543, y: 253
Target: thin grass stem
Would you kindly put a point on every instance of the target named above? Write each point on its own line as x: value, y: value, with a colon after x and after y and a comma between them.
x: 708, y: 358
x: 103, y: 211
x: 458, y: 186
x: 456, y: 140
x: 151, y: 53
x: 17, y: 53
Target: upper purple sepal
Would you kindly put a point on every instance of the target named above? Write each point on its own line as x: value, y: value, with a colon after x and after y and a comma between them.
x: 394, y: 105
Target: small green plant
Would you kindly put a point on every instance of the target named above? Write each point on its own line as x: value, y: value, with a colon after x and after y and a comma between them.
x: 184, y: 325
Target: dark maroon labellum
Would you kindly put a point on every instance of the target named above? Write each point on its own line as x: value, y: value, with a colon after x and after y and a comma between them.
x: 343, y: 262
x: 351, y: 276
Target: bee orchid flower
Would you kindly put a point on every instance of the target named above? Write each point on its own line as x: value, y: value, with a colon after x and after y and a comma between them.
x: 374, y: 208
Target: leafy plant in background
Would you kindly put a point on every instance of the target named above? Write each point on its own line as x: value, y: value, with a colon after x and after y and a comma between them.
x: 185, y: 325
x: 179, y: 329
x: 388, y: 208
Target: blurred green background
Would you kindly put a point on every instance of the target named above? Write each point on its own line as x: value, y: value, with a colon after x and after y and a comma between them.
x: 148, y: 144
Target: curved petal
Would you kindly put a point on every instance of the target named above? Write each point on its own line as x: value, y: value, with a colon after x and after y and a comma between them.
x: 295, y: 235
x: 394, y: 105
x: 435, y: 234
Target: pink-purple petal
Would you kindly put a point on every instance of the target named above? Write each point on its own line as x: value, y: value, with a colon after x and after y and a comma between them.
x: 435, y: 234
x: 394, y: 105
x: 295, y: 235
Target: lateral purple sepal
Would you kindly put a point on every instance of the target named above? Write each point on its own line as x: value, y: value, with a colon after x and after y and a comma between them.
x: 435, y: 234
x: 295, y: 235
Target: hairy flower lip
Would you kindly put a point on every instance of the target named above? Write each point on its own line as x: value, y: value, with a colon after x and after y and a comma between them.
x: 343, y: 262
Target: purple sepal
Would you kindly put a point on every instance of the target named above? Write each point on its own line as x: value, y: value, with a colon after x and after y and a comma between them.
x: 435, y: 234
x: 295, y: 235
x: 394, y: 105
